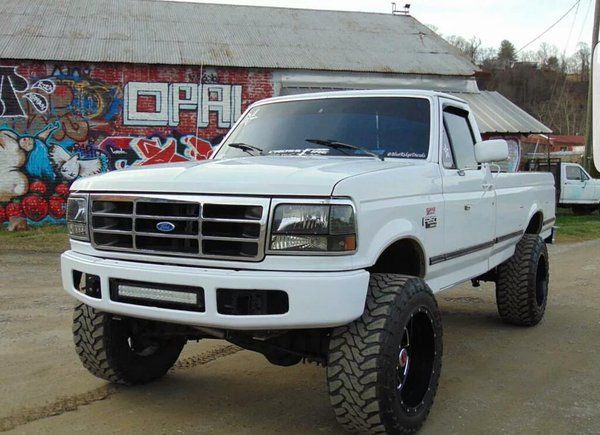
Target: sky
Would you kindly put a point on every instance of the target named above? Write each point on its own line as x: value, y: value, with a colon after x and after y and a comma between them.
x: 519, y: 21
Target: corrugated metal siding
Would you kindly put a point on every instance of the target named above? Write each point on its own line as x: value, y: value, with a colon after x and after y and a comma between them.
x: 497, y: 114
x: 147, y: 31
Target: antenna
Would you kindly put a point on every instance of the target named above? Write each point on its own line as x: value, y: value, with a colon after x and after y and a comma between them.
x: 396, y: 11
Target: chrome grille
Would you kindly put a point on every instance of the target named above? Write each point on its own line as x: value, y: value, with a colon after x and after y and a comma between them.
x: 207, y: 227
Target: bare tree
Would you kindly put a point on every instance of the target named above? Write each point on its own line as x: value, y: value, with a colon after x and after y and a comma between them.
x: 583, y: 56
x: 470, y: 48
x: 529, y: 56
x: 545, y: 52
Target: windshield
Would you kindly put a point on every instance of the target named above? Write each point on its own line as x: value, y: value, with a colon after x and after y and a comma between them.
x: 386, y: 126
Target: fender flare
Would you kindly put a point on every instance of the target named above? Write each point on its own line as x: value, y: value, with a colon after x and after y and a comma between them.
x: 393, y: 232
x: 535, y: 209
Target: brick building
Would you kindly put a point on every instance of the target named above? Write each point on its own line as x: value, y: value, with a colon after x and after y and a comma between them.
x: 93, y: 86
x: 554, y: 143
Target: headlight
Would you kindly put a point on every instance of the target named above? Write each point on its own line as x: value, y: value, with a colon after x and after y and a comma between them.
x: 77, y: 217
x: 313, y: 228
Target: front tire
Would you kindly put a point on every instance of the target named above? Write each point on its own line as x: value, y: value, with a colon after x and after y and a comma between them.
x: 117, y: 349
x: 383, y: 368
x: 522, y: 283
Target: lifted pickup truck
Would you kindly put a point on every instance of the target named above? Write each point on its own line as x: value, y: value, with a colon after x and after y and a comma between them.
x: 319, y: 231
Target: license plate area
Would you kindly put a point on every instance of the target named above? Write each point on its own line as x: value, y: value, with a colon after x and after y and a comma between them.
x: 177, y: 297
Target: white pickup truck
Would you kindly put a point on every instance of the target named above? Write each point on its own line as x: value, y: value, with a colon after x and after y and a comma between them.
x: 319, y: 230
x: 576, y: 189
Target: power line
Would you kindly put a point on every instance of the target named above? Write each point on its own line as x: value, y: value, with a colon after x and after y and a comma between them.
x: 571, y: 30
x: 549, y: 28
x: 587, y: 13
x: 564, y: 84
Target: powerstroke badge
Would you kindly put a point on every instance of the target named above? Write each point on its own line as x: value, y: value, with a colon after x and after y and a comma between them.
x: 430, y: 218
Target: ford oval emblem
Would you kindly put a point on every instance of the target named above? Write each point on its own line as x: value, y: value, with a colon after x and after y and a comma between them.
x: 165, y: 227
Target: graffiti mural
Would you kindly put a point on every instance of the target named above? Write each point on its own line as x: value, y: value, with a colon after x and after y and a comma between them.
x: 161, y: 103
x: 61, y: 122
x: 126, y: 151
x: 12, y: 85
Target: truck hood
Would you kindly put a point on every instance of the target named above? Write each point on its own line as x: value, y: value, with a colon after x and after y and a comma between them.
x: 262, y: 175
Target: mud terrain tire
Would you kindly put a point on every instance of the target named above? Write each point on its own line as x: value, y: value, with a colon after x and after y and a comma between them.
x: 107, y: 348
x: 522, y: 283
x: 383, y: 378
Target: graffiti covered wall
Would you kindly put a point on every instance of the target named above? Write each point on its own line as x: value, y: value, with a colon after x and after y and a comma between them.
x: 60, y: 122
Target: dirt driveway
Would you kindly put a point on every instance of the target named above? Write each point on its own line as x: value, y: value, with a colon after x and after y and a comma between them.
x: 495, y: 378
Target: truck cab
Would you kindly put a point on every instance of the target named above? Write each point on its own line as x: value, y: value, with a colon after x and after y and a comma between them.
x: 579, y: 190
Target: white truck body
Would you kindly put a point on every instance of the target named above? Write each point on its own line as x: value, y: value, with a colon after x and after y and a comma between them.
x: 464, y: 221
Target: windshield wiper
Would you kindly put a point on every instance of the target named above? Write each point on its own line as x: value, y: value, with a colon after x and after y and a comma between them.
x: 341, y: 145
x: 250, y: 149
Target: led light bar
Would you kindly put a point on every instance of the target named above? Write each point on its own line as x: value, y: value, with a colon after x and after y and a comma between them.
x: 155, y: 294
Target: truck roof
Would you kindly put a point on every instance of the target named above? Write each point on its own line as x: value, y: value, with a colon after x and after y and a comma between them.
x: 362, y: 93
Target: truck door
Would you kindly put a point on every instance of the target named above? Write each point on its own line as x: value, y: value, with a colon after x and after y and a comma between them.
x: 468, y: 195
x: 577, y: 188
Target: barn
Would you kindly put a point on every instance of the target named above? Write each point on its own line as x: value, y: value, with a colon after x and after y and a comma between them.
x: 93, y: 86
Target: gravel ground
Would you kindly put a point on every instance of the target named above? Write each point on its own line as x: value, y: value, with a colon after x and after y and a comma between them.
x: 495, y: 378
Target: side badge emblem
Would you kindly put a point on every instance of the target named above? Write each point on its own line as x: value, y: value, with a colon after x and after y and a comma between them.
x: 430, y: 218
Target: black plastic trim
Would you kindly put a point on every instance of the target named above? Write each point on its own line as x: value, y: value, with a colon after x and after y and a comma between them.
x: 472, y: 249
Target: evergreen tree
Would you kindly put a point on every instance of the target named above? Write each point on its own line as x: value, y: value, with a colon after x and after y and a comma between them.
x: 507, y: 54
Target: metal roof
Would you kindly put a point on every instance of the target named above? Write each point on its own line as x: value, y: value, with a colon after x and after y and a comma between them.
x: 497, y: 114
x: 164, y: 32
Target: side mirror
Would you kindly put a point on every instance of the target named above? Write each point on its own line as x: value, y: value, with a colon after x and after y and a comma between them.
x: 494, y: 150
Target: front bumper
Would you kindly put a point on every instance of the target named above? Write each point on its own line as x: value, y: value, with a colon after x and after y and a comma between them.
x: 316, y: 299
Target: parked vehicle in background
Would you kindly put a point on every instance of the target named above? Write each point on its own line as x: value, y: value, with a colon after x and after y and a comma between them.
x: 319, y: 231
x: 575, y: 187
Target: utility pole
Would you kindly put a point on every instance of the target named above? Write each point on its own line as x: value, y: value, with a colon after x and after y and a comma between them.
x: 588, y: 157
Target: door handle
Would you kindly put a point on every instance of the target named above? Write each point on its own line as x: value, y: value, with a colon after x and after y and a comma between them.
x: 487, y: 186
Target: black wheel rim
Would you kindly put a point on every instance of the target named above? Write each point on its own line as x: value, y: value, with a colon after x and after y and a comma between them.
x: 541, y: 282
x: 416, y: 358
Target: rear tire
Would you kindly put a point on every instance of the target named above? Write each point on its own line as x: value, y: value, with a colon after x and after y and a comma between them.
x: 383, y: 369
x: 115, y: 350
x: 522, y: 283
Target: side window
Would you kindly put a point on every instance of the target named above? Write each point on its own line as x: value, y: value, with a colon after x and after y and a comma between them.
x: 462, y: 142
x: 573, y: 173
x: 447, y: 157
x: 584, y: 176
